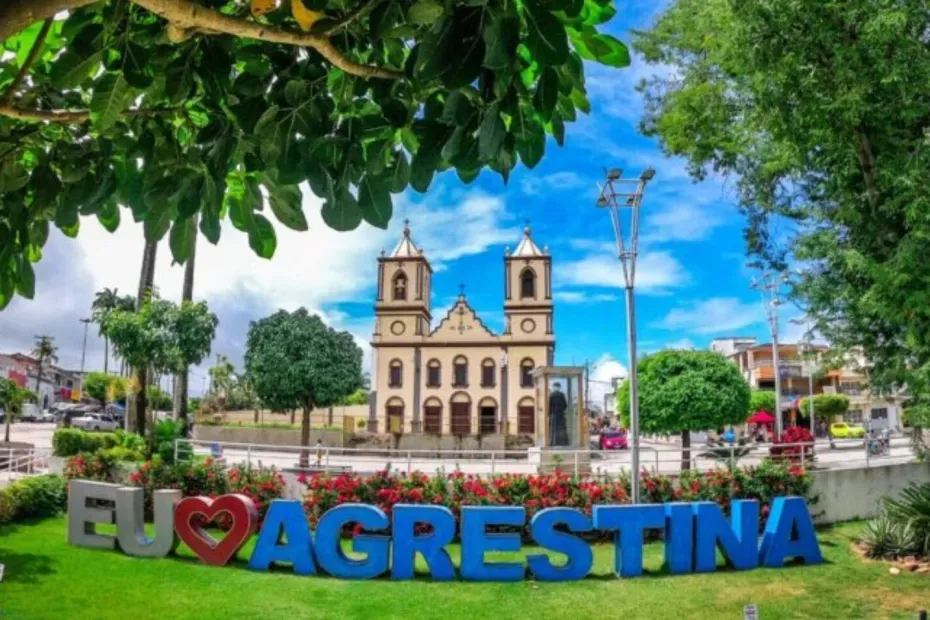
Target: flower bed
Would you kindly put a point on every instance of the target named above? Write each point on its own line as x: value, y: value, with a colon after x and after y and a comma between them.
x: 535, y: 493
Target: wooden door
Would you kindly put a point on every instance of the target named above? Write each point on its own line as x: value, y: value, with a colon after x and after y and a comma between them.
x: 395, y: 419
x: 461, y: 419
x: 526, y: 419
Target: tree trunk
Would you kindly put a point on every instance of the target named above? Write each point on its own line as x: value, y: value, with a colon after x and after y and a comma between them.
x: 329, y: 416
x: 106, y: 354
x: 256, y: 416
x: 685, y: 450
x: 6, y: 435
x: 293, y: 415
x: 39, y: 382
x: 182, y: 380
x: 146, y: 281
x: 305, y: 437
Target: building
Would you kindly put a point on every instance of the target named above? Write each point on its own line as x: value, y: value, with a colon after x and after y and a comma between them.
x: 57, y: 383
x: 797, y: 367
x: 458, y: 377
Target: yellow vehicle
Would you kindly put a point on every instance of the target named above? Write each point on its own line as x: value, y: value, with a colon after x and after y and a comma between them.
x: 841, y: 430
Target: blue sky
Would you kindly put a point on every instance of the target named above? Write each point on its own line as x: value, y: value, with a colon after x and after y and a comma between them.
x: 692, y: 285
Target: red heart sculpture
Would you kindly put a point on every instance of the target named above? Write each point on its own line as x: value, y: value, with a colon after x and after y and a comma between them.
x: 244, y: 517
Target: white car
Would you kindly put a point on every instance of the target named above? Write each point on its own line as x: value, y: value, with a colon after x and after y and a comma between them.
x: 95, y: 422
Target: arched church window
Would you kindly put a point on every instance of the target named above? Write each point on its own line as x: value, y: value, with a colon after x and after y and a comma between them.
x: 400, y: 286
x: 528, y: 284
x: 526, y: 373
x: 460, y: 372
x: 487, y: 373
x: 396, y: 374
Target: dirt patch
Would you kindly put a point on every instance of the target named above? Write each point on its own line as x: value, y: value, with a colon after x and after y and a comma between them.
x: 903, y: 565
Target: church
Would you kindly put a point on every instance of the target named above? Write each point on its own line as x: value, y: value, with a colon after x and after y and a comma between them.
x: 459, y: 377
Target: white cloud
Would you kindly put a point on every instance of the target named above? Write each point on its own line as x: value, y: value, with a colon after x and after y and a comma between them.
x: 656, y: 272
x: 714, y: 315
x: 681, y: 343
x: 681, y: 222
x: 582, y: 297
x: 533, y: 185
x: 315, y: 269
x: 602, y: 373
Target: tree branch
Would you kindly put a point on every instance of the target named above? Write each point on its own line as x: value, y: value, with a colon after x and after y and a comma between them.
x: 186, y: 14
x: 17, y: 15
x: 363, y: 10
x: 68, y: 116
x: 30, y: 60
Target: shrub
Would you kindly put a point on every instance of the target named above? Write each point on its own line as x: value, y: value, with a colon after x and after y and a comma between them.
x: 885, y: 538
x: 793, y: 435
x: 97, y: 466
x: 166, y: 433
x: 121, y: 453
x: 912, y: 511
x: 30, y: 498
x: 260, y: 484
x: 535, y: 493
x: 71, y: 441
x: 7, y: 506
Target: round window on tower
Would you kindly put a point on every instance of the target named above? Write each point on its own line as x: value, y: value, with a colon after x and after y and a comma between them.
x: 398, y: 327
x: 528, y: 326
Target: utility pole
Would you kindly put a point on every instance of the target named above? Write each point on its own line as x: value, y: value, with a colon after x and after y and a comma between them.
x: 806, y: 346
x: 86, y: 322
x: 627, y: 251
x: 769, y: 285
x: 587, y: 386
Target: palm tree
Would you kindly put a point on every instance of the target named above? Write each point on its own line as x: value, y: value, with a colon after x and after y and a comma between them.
x: 43, y: 350
x: 12, y: 398
x: 105, y: 302
x: 146, y: 285
x: 221, y: 378
x: 182, y: 379
x: 126, y: 303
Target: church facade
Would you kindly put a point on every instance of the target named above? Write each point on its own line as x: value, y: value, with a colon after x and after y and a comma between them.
x: 459, y: 377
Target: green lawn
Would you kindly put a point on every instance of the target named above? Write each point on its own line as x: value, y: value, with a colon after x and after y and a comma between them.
x: 46, y: 578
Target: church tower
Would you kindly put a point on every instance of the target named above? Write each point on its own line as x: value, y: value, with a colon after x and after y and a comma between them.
x: 528, y: 292
x: 402, y: 322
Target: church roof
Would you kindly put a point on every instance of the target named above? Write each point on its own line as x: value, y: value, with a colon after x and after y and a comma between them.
x: 527, y: 247
x: 406, y: 247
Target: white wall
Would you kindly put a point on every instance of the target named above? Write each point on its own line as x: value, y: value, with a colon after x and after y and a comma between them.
x: 847, y: 494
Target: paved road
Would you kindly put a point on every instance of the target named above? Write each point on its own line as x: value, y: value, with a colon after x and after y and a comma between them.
x: 661, y: 456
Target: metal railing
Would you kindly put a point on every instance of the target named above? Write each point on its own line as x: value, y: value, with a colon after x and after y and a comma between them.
x: 25, y: 461
x: 666, y: 459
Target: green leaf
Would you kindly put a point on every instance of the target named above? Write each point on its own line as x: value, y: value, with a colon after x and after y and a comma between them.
x: 547, y: 93
x: 454, y: 144
x: 457, y: 110
x: 295, y: 93
x: 531, y: 145
x: 581, y: 101
x: 602, y: 48
x: 400, y: 173
x: 546, y: 37
x: 424, y: 12
x: 262, y: 239
x: 437, y: 51
x: 182, y: 239
x: 13, y: 176
x: 558, y: 129
x: 501, y: 38
x: 73, y: 67
x: 25, y: 279
x: 492, y: 132
x: 210, y: 224
x: 108, y: 101
x: 109, y: 216
x: 157, y: 222
x: 285, y: 204
x: 374, y: 200
x: 342, y: 213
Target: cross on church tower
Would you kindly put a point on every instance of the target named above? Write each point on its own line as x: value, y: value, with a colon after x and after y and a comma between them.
x: 461, y: 327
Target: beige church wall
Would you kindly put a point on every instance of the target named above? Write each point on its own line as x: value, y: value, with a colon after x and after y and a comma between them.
x: 446, y: 356
x: 516, y: 393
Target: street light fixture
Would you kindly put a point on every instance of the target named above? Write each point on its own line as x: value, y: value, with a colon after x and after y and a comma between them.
x: 615, y: 196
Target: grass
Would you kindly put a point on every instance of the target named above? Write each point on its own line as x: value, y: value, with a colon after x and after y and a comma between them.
x: 47, y: 578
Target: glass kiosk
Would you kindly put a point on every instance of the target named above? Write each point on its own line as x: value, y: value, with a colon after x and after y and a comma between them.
x: 561, y: 423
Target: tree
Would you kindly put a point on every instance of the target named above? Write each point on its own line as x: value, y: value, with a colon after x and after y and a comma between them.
x: 222, y: 379
x: 295, y: 361
x: 161, y: 338
x: 12, y: 398
x: 182, y: 380
x: 762, y: 400
x: 358, y: 397
x: 684, y: 391
x: 826, y: 406
x: 104, y: 388
x: 105, y: 301
x: 186, y: 111
x: 830, y: 137
x: 44, y: 350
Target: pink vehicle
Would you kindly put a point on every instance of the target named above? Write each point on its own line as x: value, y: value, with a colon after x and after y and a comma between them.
x: 613, y: 439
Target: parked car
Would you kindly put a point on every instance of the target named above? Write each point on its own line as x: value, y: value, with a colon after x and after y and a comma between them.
x: 95, y: 422
x: 613, y: 439
x: 47, y: 417
x: 841, y: 430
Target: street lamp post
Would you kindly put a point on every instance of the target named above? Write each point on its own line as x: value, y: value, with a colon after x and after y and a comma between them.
x: 769, y: 287
x: 807, y: 347
x: 627, y: 252
x: 86, y: 322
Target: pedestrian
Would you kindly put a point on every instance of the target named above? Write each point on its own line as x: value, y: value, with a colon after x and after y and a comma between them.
x: 319, y: 452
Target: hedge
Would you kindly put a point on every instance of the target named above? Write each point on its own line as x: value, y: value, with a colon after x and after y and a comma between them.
x: 37, y: 497
x: 71, y: 441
